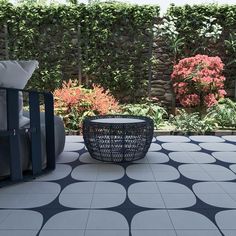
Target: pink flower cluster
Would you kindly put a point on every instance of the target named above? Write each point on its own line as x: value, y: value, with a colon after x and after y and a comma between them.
x: 198, y: 81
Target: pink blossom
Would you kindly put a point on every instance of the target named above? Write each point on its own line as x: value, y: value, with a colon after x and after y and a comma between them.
x: 198, y: 74
x: 222, y: 93
x: 190, y: 100
x: 210, y: 100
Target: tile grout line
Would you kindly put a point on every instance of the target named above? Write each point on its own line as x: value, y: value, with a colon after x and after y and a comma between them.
x: 163, y: 199
x: 89, y: 210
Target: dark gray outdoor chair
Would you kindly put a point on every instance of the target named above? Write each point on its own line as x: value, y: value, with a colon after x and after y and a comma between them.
x: 35, y: 145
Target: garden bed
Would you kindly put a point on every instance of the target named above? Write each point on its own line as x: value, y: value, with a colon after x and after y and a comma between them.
x: 216, y: 132
x: 173, y: 132
x: 73, y: 103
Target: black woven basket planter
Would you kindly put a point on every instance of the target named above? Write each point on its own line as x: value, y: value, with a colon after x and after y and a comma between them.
x: 118, y: 138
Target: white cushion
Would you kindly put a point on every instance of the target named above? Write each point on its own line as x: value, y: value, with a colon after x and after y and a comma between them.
x: 14, y: 74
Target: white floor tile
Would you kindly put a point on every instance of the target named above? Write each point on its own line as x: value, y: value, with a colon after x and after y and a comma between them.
x: 198, y: 232
x: 172, y: 139
x: 79, y: 188
x: 181, y: 147
x: 18, y: 232
x: 36, y: 194
x: 190, y: 220
x: 74, y: 138
x: 149, y: 200
x: 170, y: 187
x: 226, y: 219
x: 86, y: 158
x: 153, y: 232
x: 153, y: 157
x: 70, y: 147
x: 143, y: 187
x: 61, y: 171
x: 218, y: 147
x: 76, y: 200
x: 61, y: 232
x: 21, y: 220
x: 98, y: 172
x: 173, y: 200
x: 152, y: 220
x: 227, y: 232
x: 229, y: 157
x: 228, y: 187
x: 140, y: 172
x: 108, y: 187
x: 208, y: 188
x: 154, y: 147
x: 106, y: 233
x: 231, y: 138
x: 106, y: 220
x: 107, y: 200
x: 206, y: 172
x: 68, y: 220
x: 191, y: 157
x: 233, y: 168
x: 206, y: 139
x: 163, y: 172
x: 67, y: 157
x: 217, y: 200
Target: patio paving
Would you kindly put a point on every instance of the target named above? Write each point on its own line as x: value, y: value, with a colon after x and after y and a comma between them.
x: 185, y: 186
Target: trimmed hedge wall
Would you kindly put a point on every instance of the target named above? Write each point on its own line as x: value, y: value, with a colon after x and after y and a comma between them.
x: 111, y: 43
x: 110, y: 46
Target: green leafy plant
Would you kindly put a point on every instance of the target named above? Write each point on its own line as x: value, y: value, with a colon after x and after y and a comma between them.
x: 224, y: 113
x: 230, y: 43
x: 186, y: 123
x: 209, y: 33
x: 203, y: 27
x: 167, y: 29
x: 157, y: 113
x: 210, y: 29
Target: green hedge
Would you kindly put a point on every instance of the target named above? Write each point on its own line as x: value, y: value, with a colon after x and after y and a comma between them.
x: 114, y: 39
x: 191, y: 18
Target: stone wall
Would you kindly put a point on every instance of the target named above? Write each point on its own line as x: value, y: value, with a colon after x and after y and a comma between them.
x: 161, y: 86
x: 3, y: 35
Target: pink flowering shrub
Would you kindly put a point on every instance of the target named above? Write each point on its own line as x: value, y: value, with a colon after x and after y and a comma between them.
x: 198, y: 81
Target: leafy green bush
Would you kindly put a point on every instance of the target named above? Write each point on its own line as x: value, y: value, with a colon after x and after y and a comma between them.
x: 224, y: 113
x: 186, y: 123
x: 157, y: 113
x: 210, y: 22
x: 114, y: 38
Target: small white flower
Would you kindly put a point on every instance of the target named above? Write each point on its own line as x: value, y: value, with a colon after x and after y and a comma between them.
x: 208, y: 35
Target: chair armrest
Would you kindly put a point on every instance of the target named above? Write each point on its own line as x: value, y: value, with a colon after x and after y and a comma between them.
x: 14, y: 131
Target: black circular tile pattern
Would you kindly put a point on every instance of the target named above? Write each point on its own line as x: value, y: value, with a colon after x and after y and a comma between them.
x: 169, y: 195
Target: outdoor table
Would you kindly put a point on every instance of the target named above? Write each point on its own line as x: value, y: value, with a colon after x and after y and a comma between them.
x: 118, y: 138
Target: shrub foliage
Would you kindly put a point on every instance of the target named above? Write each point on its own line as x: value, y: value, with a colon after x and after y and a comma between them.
x: 198, y: 81
x: 207, y: 29
x: 73, y: 103
x: 113, y: 39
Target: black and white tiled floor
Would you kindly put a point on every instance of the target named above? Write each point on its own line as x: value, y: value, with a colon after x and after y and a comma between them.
x: 185, y: 186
